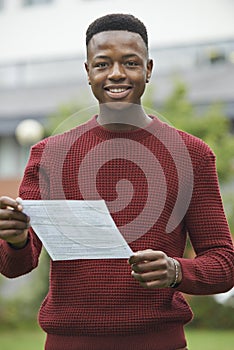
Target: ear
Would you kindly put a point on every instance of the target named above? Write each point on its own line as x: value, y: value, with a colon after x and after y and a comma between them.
x: 149, y: 69
x: 87, y: 70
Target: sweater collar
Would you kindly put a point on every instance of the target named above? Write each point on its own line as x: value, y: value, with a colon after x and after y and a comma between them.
x: 136, y: 134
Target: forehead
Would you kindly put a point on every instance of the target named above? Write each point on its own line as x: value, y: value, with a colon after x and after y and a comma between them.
x: 120, y: 40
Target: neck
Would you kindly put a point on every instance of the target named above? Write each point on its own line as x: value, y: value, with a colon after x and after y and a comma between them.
x: 122, y: 117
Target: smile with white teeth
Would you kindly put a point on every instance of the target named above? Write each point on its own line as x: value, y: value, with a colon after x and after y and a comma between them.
x: 116, y: 90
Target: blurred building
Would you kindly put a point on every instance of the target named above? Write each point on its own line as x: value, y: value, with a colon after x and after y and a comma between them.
x: 42, y: 54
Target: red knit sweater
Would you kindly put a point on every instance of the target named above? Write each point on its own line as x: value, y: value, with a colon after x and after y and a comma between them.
x: 168, y: 188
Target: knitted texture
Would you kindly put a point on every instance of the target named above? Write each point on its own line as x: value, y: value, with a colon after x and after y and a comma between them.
x: 93, y: 301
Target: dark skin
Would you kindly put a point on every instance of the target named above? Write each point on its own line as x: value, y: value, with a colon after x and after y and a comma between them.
x: 153, y: 269
x: 118, y: 69
x: 14, y: 223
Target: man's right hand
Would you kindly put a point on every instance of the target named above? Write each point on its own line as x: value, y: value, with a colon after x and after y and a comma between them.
x: 14, y: 223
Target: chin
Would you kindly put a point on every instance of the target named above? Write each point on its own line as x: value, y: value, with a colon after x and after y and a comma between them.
x: 118, y: 105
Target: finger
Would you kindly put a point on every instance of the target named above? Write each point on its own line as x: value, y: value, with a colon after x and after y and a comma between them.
x: 20, y: 203
x: 148, y: 266
x: 145, y: 255
x: 12, y: 225
x: 150, y: 276
x: 151, y: 280
x: 9, y: 214
x: 8, y: 234
x: 8, y: 202
x: 154, y: 284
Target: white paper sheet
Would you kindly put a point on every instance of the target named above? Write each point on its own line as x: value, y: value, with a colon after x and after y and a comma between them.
x: 76, y: 229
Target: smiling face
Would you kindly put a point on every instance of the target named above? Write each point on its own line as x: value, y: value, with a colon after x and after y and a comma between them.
x: 118, y: 66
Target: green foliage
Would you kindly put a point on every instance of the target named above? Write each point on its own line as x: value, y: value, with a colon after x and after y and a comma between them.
x: 69, y: 116
x: 21, y: 311
x: 212, y: 126
x: 228, y: 199
x: 211, y: 315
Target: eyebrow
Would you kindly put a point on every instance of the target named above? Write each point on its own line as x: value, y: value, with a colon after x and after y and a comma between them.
x: 101, y: 56
x: 108, y: 57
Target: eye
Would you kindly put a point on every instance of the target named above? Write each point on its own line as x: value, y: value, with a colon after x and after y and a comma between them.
x: 131, y: 64
x: 101, y: 65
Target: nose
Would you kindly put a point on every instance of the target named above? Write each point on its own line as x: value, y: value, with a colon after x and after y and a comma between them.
x: 117, y: 72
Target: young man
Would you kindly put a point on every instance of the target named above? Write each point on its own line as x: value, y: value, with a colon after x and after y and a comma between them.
x: 159, y: 184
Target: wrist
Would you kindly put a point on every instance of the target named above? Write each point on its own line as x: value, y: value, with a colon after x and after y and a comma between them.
x: 178, y: 274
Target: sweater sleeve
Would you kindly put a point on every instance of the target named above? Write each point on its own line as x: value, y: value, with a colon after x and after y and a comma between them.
x: 17, y: 262
x: 212, y: 269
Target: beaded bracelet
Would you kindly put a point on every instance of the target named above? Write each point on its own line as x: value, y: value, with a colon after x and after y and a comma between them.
x: 175, y: 282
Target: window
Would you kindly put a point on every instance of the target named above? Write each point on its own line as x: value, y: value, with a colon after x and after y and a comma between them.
x: 36, y: 2
x: 1, y: 5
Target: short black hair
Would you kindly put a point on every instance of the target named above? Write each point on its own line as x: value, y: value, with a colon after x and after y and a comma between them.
x: 117, y: 21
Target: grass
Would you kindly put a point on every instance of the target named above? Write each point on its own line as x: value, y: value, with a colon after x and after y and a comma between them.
x: 22, y: 339
x: 210, y: 339
x: 197, y: 339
